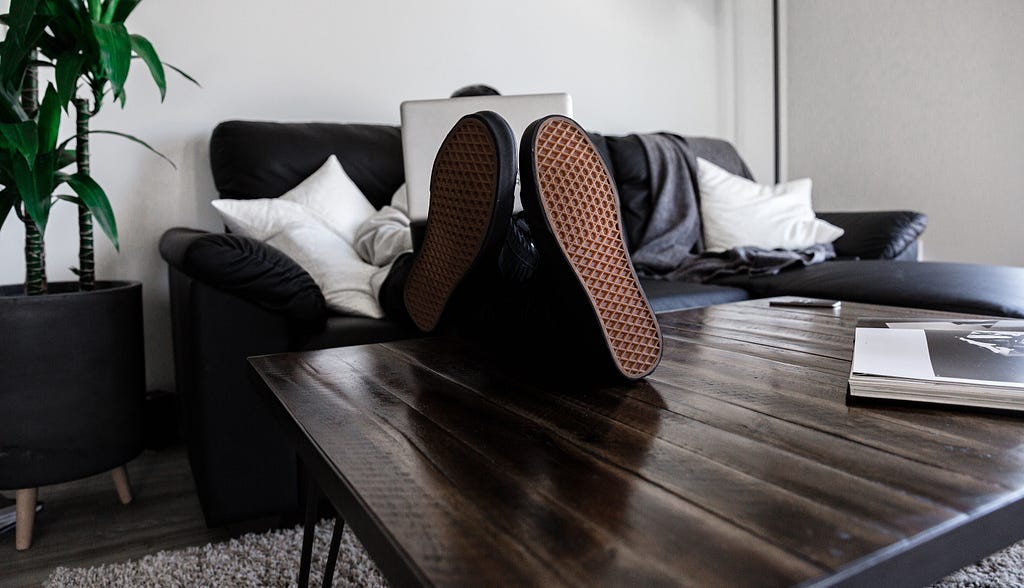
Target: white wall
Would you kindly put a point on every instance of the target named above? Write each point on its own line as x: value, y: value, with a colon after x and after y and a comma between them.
x: 913, y: 104
x: 748, y: 83
x: 642, y: 65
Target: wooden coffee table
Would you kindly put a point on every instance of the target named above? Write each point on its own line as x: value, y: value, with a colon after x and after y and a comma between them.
x: 737, y: 463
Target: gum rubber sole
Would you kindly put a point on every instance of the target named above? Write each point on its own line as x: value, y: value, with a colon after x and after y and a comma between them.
x: 463, y: 186
x: 581, y: 207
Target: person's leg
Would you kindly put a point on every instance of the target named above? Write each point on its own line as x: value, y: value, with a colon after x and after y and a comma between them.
x: 572, y: 205
x: 471, y: 196
x: 392, y: 292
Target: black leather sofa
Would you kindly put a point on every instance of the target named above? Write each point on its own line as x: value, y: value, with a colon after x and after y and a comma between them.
x: 232, y: 297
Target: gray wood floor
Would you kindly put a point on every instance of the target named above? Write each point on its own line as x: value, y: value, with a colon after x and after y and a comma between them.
x: 83, y: 524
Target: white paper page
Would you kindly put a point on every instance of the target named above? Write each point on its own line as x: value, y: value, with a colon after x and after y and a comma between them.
x: 900, y: 353
x: 1003, y: 325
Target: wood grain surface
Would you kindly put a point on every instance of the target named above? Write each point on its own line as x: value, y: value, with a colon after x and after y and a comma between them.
x: 737, y: 463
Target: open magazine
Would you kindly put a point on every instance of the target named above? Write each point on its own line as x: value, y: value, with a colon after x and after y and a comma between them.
x: 970, y: 362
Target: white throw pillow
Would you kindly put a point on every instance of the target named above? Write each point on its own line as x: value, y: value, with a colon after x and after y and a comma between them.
x: 314, y: 224
x: 736, y: 212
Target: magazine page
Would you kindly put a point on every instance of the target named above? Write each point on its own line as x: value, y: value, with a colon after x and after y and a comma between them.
x: 976, y: 356
x: 897, y: 353
x: 944, y: 324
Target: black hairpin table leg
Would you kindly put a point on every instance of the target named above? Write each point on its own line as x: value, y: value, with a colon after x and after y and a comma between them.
x: 309, y: 531
x: 332, y: 555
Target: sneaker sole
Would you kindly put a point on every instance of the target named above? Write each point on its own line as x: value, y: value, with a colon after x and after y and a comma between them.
x: 467, y: 188
x: 581, y: 210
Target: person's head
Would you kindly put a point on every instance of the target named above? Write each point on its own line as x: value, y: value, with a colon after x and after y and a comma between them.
x: 475, y: 90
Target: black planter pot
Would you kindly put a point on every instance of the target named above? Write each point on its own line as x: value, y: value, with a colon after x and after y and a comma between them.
x: 72, y: 382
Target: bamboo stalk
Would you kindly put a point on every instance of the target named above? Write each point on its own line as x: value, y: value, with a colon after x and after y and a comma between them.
x: 86, y: 251
x: 35, y: 248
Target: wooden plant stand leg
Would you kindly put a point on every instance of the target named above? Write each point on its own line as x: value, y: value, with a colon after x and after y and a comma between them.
x: 25, y: 517
x: 124, y: 488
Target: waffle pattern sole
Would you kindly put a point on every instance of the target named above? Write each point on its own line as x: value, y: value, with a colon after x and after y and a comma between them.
x: 579, y: 199
x: 462, y: 201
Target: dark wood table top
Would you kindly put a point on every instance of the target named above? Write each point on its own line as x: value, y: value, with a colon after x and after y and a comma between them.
x: 737, y: 463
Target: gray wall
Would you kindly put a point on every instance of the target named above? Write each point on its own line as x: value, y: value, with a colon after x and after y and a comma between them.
x: 913, y: 104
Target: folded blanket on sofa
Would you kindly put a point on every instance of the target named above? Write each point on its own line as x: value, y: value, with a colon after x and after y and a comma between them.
x: 671, y: 246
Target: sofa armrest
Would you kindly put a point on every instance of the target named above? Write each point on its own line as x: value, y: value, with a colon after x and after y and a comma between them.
x: 243, y: 465
x: 249, y: 269
x: 876, y: 235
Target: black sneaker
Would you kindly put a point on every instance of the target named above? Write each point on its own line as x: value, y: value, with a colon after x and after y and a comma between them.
x: 471, y: 196
x: 571, y: 202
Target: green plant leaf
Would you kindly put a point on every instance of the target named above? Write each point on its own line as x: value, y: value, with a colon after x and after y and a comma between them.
x: 18, y: 45
x: 64, y: 28
x: 75, y: 5
x: 49, y: 120
x: 65, y: 157
x: 23, y: 138
x: 10, y: 106
x: 110, y: 6
x: 72, y: 199
x: 183, y: 74
x: 144, y: 49
x: 20, y: 17
x: 69, y: 69
x: 37, y: 206
x: 44, y: 178
x: 115, y: 53
x: 8, y: 198
x: 96, y: 10
x: 136, y: 140
x: 96, y: 201
x: 124, y: 10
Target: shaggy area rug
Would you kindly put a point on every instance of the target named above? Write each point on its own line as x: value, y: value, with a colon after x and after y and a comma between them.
x: 253, y: 560
x: 272, y: 559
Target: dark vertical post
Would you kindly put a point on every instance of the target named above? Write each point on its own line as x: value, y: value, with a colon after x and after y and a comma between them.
x: 332, y: 554
x: 775, y: 91
x: 309, y: 530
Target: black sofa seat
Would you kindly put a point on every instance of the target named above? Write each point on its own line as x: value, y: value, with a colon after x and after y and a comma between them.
x: 342, y: 331
x: 953, y: 287
x: 666, y: 295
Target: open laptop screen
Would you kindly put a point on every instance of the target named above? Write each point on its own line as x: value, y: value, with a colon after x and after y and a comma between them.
x: 425, y: 123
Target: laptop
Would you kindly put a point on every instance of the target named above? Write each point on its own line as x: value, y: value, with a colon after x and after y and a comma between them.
x: 425, y: 124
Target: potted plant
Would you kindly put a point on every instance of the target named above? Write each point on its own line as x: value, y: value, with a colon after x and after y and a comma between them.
x: 72, y: 377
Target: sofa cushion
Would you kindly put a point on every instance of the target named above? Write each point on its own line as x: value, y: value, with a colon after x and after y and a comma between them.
x: 666, y: 295
x: 249, y: 269
x: 953, y: 287
x: 314, y: 224
x: 266, y: 159
x: 737, y: 212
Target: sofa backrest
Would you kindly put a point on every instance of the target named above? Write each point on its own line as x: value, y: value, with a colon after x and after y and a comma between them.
x: 253, y: 159
x: 266, y: 159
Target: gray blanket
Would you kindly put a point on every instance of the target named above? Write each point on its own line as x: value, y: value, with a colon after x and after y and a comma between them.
x: 671, y: 246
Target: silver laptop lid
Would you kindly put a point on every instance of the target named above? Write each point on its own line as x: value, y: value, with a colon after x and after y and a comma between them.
x: 425, y: 123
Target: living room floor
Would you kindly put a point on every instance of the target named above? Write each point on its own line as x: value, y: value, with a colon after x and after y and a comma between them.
x: 83, y: 524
